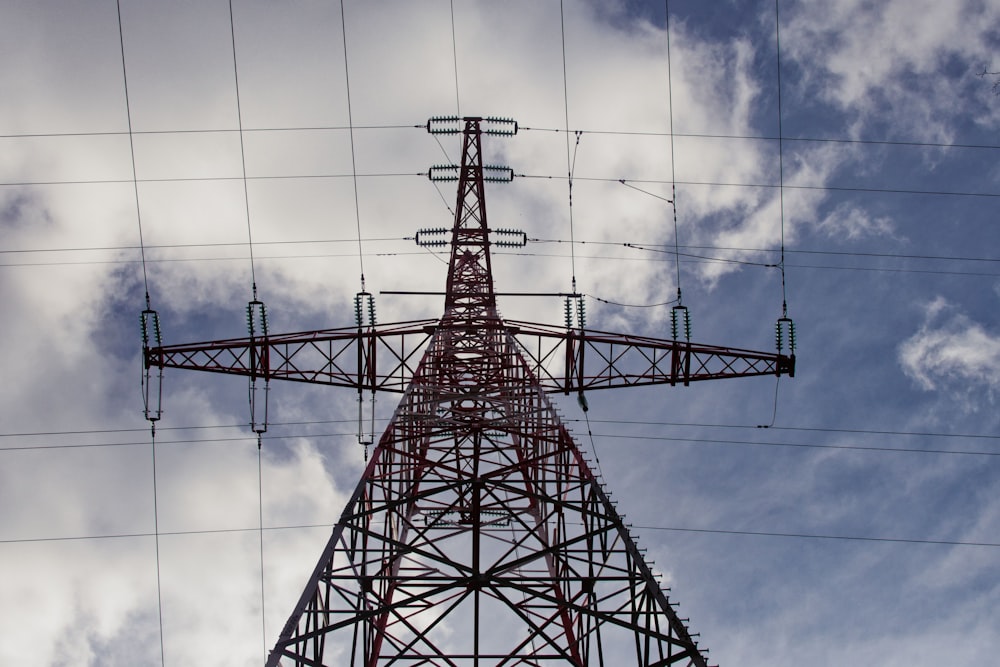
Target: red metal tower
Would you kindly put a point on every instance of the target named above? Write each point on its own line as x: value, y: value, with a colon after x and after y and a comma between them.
x: 478, y: 534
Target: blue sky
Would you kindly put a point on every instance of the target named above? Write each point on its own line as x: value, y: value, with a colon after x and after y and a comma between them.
x: 889, y: 430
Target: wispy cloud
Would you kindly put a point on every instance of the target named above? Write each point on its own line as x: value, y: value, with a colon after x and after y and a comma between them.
x: 951, y: 350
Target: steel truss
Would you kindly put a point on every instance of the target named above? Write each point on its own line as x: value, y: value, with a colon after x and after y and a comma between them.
x: 478, y: 533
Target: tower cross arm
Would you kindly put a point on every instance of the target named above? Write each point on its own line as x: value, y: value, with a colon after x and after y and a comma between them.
x: 381, y: 357
x: 566, y: 360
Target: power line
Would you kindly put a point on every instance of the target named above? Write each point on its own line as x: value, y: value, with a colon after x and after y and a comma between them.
x: 570, y: 166
x: 653, y: 247
x: 830, y: 188
x: 216, y: 130
x: 240, y: 244
x: 454, y: 59
x: 809, y: 429
x: 166, y: 428
x: 212, y: 259
x: 633, y: 422
x: 797, y: 266
x: 617, y: 436
x: 354, y: 164
x: 203, y: 179
x: 790, y: 251
x: 758, y: 533
x: 243, y: 158
x: 523, y: 128
x: 151, y: 416
x: 712, y: 531
x: 763, y: 137
x: 801, y: 445
x: 519, y: 254
x: 208, y: 179
x: 89, y: 445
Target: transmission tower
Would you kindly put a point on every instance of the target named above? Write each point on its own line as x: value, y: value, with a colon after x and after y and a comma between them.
x: 478, y: 534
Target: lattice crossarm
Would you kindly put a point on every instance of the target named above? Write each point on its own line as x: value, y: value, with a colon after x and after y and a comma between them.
x: 584, y: 360
x: 380, y: 358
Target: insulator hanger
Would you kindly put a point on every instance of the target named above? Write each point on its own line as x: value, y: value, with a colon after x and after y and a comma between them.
x: 680, y: 316
x: 364, y: 309
x: 259, y: 365
x: 490, y: 125
x: 152, y: 387
x: 364, y: 317
x: 492, y: 173
x: 422, y: 240
x: 784, y: 331
x: 509, y: 238
x: 575, y: 311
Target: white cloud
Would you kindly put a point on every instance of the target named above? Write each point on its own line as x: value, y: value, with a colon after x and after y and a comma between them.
x: 69, y: 354
x: 889, y: 59
x: 853, y: 223
x: 950, y: 348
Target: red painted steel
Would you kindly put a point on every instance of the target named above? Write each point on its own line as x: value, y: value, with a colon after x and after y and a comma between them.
x: 478, y: 534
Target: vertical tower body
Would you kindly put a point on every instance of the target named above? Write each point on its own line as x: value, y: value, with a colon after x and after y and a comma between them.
x: 478, y: 534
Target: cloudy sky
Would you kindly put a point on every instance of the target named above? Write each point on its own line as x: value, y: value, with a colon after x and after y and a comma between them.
x: 862, y: 527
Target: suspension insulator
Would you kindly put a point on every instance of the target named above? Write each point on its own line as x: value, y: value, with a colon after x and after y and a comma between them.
x: 440, y: 173
x: 257, y: 319
x: 422, y: 240
x: 443, y: 125
x: 149, y: 321
x: 364, y: 304
x: 152, y: 383
x: 510, y: 238
x: 679, y: 315
x: 574, y: 305
x: 784, y: 330
x: 258, y: 327
x: 496, y: 173
x: 502, y: 127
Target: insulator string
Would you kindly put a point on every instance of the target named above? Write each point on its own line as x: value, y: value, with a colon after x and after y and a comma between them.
x: 350, y: 125
x: 243, y: 159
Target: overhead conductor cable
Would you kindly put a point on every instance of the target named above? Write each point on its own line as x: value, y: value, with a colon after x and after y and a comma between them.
x: 364, y: 301
x: 256, y: 316
x: 150, y: 327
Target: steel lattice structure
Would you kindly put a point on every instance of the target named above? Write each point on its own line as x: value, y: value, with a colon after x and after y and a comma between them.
x: 478, y: 534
